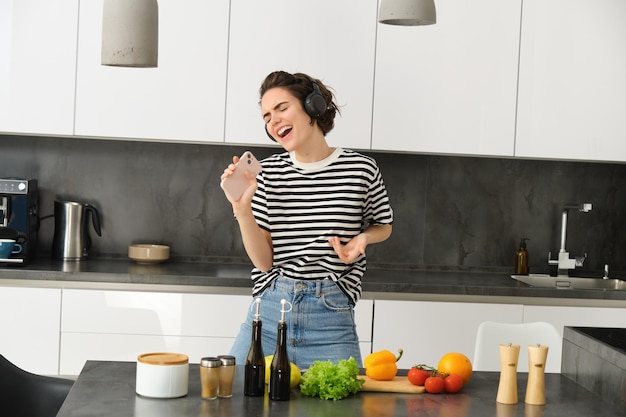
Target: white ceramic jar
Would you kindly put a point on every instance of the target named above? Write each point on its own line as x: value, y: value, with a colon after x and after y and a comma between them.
x: 162, y: 375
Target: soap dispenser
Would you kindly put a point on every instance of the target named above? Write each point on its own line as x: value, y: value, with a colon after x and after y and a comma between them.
x: 521, y: 258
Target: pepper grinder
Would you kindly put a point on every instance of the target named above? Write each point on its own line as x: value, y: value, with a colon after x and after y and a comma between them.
x: 536, y: 387
x: 507, y: 388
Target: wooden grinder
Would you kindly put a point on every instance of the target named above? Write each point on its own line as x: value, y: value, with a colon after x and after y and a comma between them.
x: 536, y: 388
x: 507, y: 388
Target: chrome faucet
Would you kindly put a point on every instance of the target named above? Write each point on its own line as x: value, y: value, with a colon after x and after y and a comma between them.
x: 564, y: 263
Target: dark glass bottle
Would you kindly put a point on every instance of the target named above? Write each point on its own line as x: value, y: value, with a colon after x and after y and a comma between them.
x: 521, y: 258
x: 280, y: 370
x: 254, y: 375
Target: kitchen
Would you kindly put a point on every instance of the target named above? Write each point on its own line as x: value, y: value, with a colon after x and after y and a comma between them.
x: 459, y: 206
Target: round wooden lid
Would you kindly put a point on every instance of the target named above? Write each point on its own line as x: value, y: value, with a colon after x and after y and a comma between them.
x: 163, y: 358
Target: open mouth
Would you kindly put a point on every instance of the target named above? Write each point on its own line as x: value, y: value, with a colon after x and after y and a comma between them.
x: 284, y: 131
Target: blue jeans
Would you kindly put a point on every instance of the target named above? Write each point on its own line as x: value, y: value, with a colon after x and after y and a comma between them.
x: 320, y: 324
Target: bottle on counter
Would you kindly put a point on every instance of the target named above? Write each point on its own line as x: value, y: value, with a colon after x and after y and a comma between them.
x: 254, y: 371
x: 280, y: 369
x: 521, y: 258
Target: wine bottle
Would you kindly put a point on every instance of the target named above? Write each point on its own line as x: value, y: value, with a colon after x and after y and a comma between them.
x: 254, y: 373
x: 280, y: 369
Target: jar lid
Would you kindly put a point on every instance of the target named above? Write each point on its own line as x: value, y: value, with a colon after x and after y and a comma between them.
x: 163, y: 358
x: 227, y: 360
x: 210, y: 362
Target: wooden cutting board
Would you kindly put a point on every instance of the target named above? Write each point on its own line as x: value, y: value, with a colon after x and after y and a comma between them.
x: 399, y: 384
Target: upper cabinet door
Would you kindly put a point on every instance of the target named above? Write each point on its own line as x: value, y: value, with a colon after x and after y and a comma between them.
x: 572, y: 87
x: 37, y: 66
x: 331, y: 40
x: 449, y: 87
x: 182, y: 99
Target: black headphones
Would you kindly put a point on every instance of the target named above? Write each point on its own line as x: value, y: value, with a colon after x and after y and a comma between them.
x: 314, y: 104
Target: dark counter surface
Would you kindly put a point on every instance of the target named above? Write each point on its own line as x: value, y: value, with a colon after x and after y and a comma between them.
x: 108, y: 389
x: 205, y: 277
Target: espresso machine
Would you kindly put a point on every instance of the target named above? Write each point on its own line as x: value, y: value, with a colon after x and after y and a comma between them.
x: 19, y: 217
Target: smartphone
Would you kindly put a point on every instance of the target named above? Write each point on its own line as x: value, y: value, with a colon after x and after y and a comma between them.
x: 236, y: 184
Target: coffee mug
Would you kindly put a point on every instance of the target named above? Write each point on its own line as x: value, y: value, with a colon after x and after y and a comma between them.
x: 8, y: 247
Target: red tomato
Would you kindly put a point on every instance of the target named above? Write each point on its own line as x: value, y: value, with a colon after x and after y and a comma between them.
x: 417, y: 376
x: 434, y: 384
x: 453, y: 383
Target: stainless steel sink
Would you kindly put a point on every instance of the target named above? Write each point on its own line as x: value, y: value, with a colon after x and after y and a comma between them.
x: 573, y: 283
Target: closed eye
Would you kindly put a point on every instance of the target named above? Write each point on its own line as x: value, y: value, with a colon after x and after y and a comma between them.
x: 280, y: 107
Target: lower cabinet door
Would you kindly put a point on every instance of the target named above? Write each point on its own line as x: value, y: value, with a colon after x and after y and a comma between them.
x: 29, y: 321
x: 427, y: 330
x: 77, y: 348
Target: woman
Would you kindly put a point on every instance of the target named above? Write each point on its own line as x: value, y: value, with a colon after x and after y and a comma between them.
x: 305, y: 223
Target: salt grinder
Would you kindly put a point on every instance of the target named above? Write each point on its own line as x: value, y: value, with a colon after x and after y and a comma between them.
x: 507, y: 388
x: 536, y: 388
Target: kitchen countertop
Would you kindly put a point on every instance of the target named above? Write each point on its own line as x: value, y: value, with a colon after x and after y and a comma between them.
x: 108, y: 389
x: 595, y: 358
x: 234, y: 278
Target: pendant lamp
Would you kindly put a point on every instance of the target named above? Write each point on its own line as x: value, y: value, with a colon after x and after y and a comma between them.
x: 130, y: 33
x: 407, y: 12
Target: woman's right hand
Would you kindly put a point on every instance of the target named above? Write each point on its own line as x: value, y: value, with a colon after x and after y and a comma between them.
x: 256, y: 241
x: 246, y: 199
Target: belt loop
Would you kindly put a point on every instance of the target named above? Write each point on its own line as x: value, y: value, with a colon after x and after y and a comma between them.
x: 318, y: 288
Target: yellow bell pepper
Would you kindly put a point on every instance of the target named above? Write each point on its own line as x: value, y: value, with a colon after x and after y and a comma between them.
x: 382, y: 365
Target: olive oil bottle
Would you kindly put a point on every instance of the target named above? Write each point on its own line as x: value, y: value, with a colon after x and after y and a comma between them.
x: 280, y: 369
x: 254, y: 372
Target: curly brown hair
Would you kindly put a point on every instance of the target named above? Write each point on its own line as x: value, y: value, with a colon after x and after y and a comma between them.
x: 300, y: 86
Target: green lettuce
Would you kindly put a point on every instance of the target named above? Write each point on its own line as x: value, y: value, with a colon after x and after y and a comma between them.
x: 331, y: 382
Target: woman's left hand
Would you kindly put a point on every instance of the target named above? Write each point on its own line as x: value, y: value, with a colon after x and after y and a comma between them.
x: 354, y: 248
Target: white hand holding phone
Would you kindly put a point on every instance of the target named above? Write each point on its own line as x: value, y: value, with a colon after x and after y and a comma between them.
x: 235, y: 185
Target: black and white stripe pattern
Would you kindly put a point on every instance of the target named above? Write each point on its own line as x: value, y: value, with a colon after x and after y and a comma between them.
x: 302, y: 205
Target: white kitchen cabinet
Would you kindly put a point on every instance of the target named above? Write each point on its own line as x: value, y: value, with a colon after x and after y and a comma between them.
x: 77, y: 348
x: 329, y: 40
x: 449, y: 87
x: 363, y: 318
x: 576, y: 316
x: 38, y: 66
x: 562, y: 316
x: 571, y: 80
x: 119, y: 325
x: 182, y: 99
x: 30, y: 322
x: 426, y: 330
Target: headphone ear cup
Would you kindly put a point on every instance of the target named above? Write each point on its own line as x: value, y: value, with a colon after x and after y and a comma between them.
x: 315, y: 103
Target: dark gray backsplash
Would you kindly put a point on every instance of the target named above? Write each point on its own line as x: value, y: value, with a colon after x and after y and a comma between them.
x: 450, y: 212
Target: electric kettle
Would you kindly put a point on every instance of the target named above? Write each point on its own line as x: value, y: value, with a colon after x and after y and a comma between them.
x: 71, y: 241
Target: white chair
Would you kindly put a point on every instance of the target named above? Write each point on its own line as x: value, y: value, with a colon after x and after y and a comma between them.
x: 491, y: 335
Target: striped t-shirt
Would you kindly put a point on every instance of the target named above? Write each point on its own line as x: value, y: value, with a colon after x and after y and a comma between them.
x: 303, y: 205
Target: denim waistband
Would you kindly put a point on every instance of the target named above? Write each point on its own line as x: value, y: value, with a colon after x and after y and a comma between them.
x: 304, y: 286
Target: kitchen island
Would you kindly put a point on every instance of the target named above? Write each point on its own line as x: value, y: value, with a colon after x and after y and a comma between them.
x: 106, y: 388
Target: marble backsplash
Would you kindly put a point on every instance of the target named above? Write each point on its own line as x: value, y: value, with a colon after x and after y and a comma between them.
x: 451, y: 212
